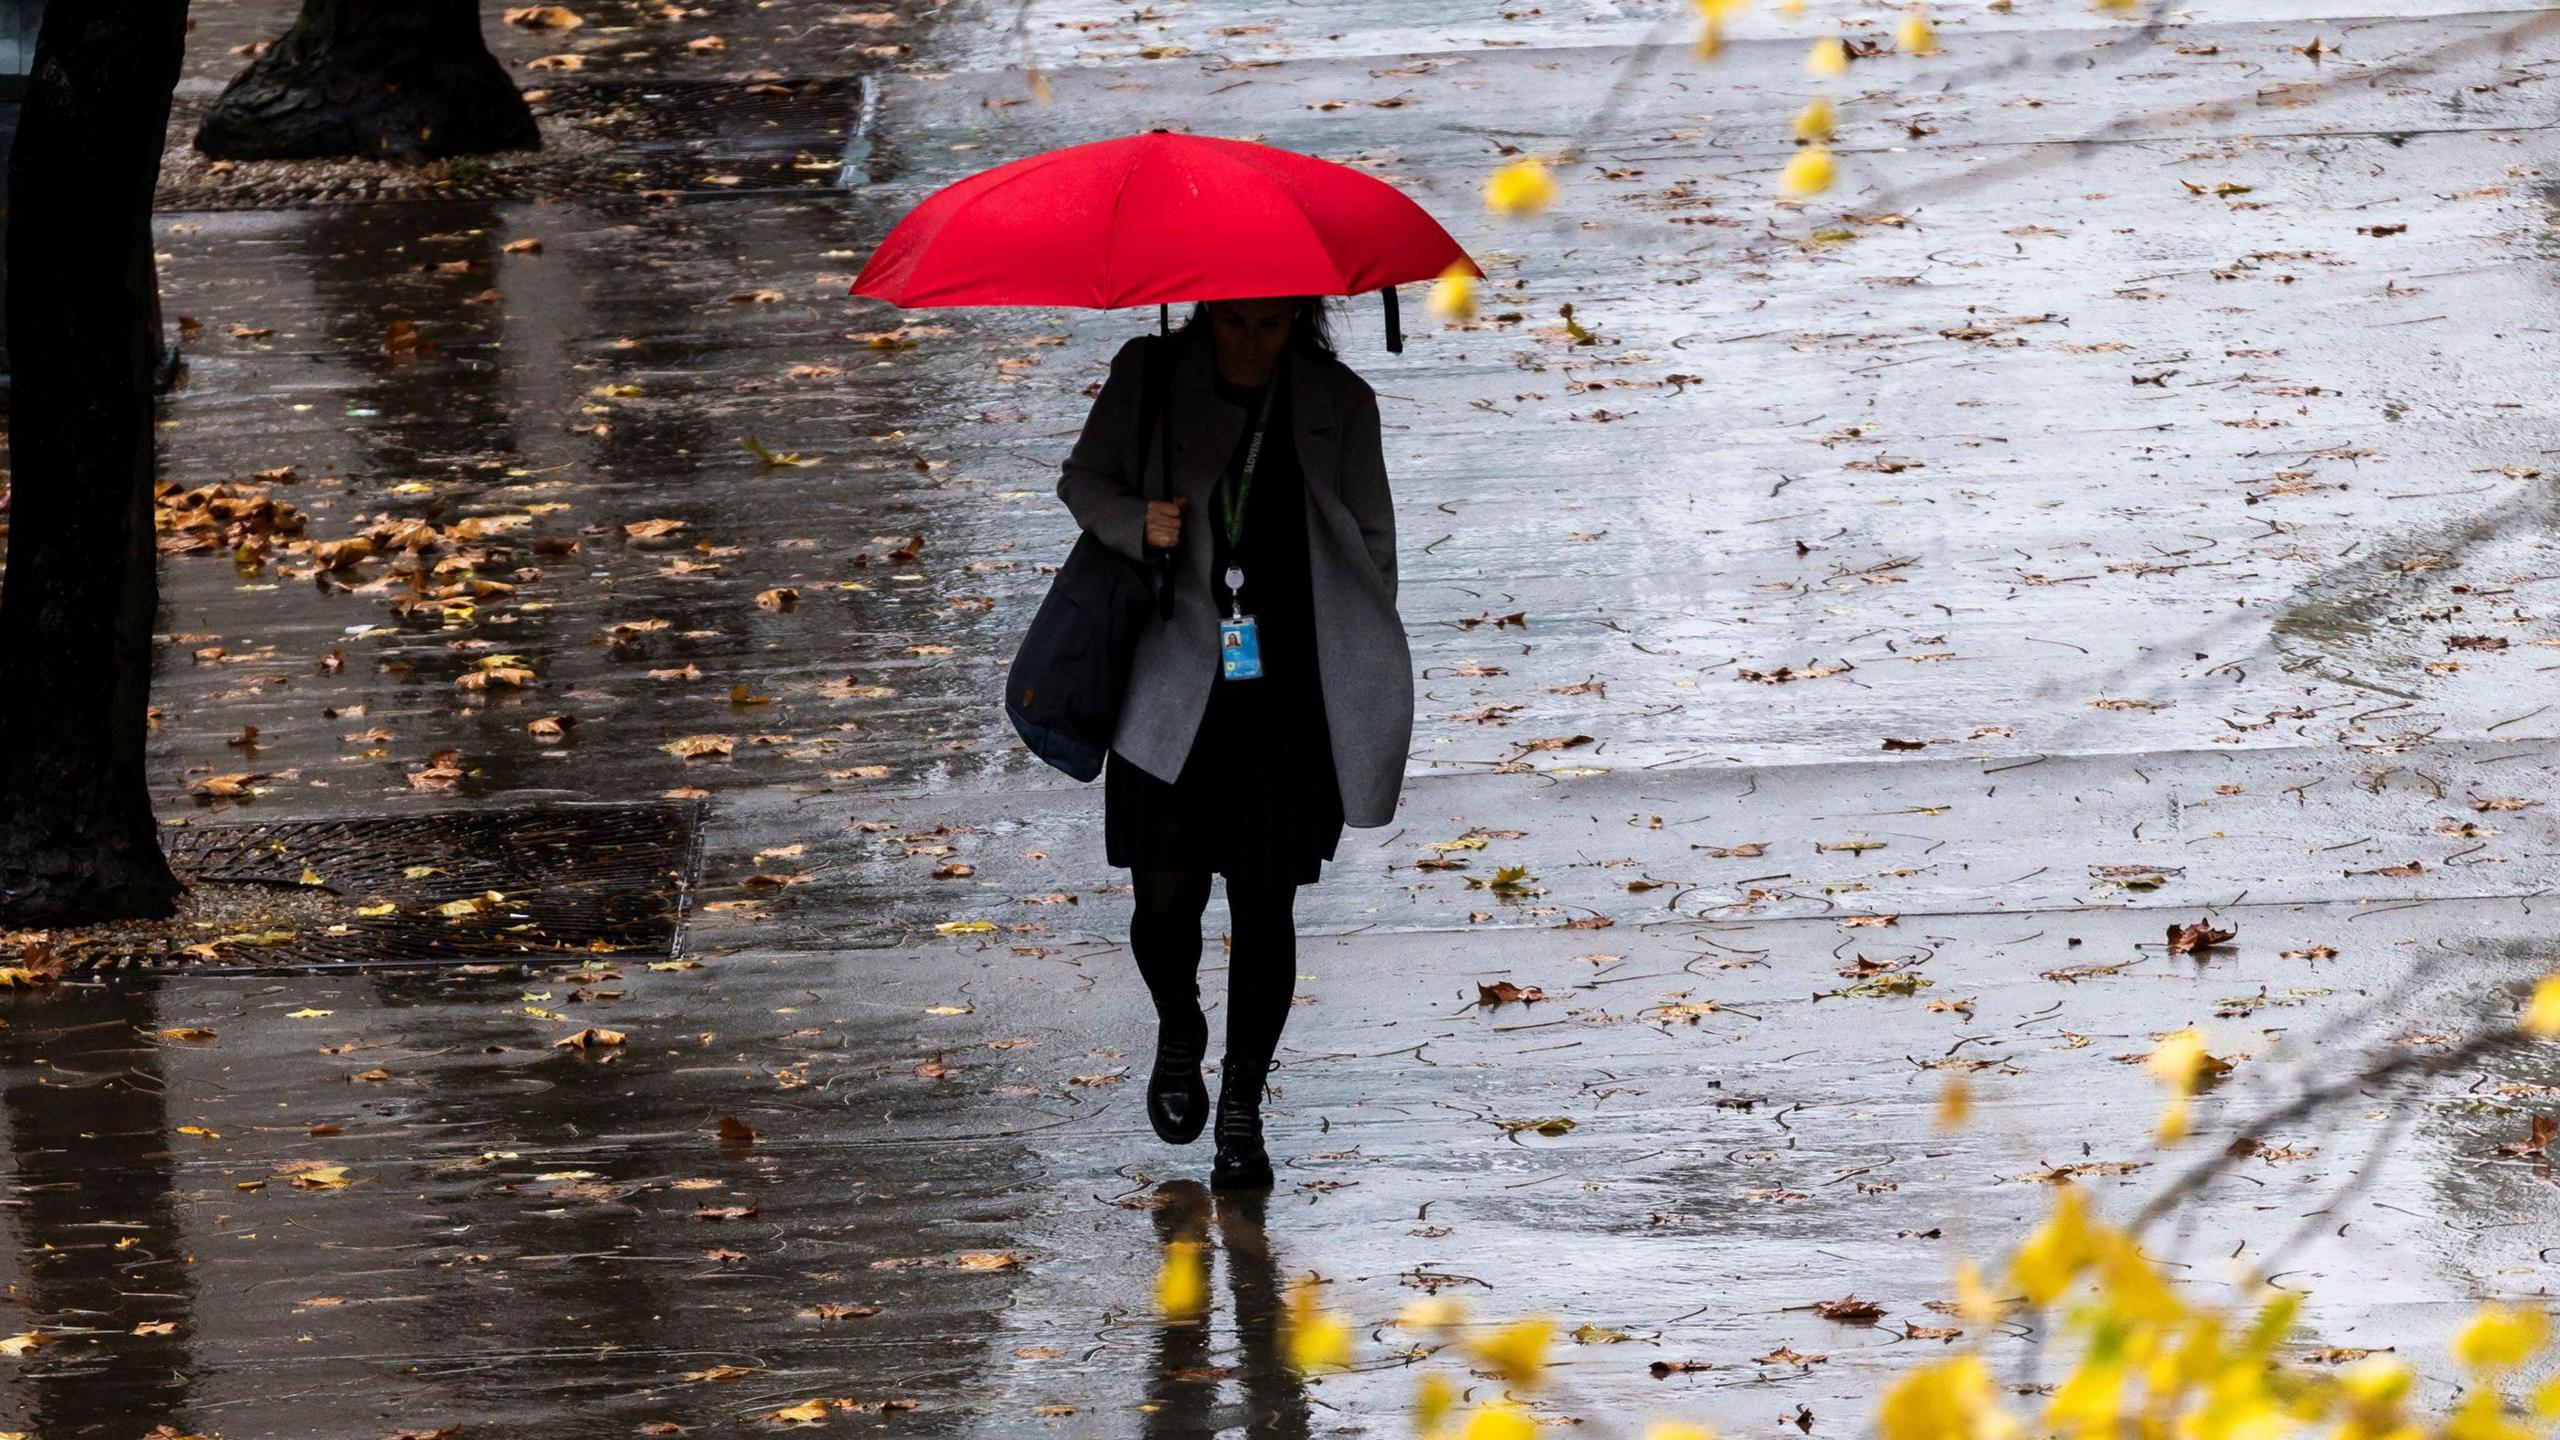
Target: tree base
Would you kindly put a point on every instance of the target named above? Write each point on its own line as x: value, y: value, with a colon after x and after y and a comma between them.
x: 51, y: 876
x: 346, y: 91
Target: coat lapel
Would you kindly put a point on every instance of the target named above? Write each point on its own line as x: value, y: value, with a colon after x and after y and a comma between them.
x: 1313, y: 417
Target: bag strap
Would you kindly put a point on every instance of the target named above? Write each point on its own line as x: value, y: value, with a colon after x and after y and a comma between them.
x: 1153, y: 402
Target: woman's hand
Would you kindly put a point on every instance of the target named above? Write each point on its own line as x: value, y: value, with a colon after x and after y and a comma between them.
x: 1164, y: 522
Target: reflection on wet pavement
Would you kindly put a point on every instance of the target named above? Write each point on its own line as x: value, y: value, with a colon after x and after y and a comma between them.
x: 1963, y: 596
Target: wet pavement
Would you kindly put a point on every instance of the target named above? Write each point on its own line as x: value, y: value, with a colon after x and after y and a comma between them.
x: 2122, y: 501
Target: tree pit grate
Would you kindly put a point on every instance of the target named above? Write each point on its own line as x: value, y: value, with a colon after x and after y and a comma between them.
x: 462, y: 887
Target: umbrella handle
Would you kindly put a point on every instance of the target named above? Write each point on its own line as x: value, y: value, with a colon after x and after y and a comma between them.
x: 1395, y: 321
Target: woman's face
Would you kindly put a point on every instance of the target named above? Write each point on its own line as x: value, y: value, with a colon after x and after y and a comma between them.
x: 1250, y: 335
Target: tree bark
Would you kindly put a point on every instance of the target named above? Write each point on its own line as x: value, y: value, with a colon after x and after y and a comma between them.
x: 77, y: 839
x: 408, y: 80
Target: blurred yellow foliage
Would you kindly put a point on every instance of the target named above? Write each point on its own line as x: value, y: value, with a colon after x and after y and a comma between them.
x: 1523, y: 187
x: 1809, y: 173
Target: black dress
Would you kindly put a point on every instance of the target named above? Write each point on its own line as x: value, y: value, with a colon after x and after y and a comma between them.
x: 1257, y: 799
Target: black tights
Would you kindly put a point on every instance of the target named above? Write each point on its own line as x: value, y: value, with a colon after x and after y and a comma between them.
x: 1262, y: 972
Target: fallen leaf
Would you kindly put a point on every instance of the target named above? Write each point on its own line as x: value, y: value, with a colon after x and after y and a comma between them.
x: 592, y: 1038
x: 2538, y: 1139
x: 1849, y: 1308
x: 2189, y: 939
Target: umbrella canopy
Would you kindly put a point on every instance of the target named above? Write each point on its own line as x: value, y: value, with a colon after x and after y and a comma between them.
x: 1155, y: 219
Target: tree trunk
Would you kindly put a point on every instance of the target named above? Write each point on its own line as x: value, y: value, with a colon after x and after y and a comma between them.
x: 406, y: 80
x: 77, y: 839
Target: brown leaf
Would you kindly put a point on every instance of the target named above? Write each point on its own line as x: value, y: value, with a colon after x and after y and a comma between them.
x: 592, y: 1038
x: 1849, y: 1308
x: 2544, y: 1130
x: 2189, y: 939
x: 840, y: 1312
x: 544, y: 17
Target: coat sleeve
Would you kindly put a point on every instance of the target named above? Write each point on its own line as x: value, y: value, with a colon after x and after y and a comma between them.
x: 1105, y: 497
x: 1364, y: 483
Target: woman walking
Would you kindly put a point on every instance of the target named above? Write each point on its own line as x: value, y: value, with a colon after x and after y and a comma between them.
x: 1275, y: 706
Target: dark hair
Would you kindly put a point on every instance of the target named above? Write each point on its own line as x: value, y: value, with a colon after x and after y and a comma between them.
x: 1311, y: 325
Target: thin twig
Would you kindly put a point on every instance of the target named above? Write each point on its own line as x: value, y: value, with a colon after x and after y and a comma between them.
x: 2407, y: 1063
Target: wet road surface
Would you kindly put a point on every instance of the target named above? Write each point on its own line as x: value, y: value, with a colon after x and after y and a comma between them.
x: 2035, y: 543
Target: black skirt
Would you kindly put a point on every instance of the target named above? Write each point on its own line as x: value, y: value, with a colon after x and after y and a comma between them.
x: 1257, y: 799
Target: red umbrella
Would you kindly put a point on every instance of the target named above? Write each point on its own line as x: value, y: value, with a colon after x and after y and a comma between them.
x: 1154, y: 219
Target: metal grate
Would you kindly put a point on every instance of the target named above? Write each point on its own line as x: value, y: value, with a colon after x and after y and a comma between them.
x: 300, y: 895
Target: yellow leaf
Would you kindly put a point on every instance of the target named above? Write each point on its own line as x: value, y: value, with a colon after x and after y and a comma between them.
x: 2179, y: 1061
x: 311, y: 877
x: 1814, y: 123
x: 321, y: 1177
x: 1433, y: 1398
x: 307, y: 1013
x: 1915, y: 35
x: 377, y: 910
x: 21, y: 1344
x: 1499, y: 1421
x: 1523, y: 187
x: 966, y: 927
x: 2174, y: 1121
x: 2546, y: 1399
x: 2500, y: 1338
x: 773, y: 459
x: 1453, y: 295
x: 200, y: 1132
x: 1975, y: 1303
x: 1710, y: 39
x: 1517, y: 1352
x: 197, y: 1034
x: 1808, y: 174
x: 1828, y: 57
x: 807, y: 1412
x: 1936, y: 1402
x: 2542, y: 1013
x: 1440, y: 1312
x: 2057, y: 1251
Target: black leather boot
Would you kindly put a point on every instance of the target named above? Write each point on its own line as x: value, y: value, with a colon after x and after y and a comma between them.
x: 1242, y: 1163
x: 1177, y: 1099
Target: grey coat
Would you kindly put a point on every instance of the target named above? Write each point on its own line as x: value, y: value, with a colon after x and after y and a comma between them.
x: 1361, y: 655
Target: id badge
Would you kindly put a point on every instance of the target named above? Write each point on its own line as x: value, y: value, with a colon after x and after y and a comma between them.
x: 1239, y: 649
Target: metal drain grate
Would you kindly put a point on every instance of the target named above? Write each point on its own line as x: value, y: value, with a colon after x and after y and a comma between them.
x: 450, y: 888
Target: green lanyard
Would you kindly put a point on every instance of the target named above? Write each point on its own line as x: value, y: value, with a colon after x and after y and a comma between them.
x: 1232, y: 498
